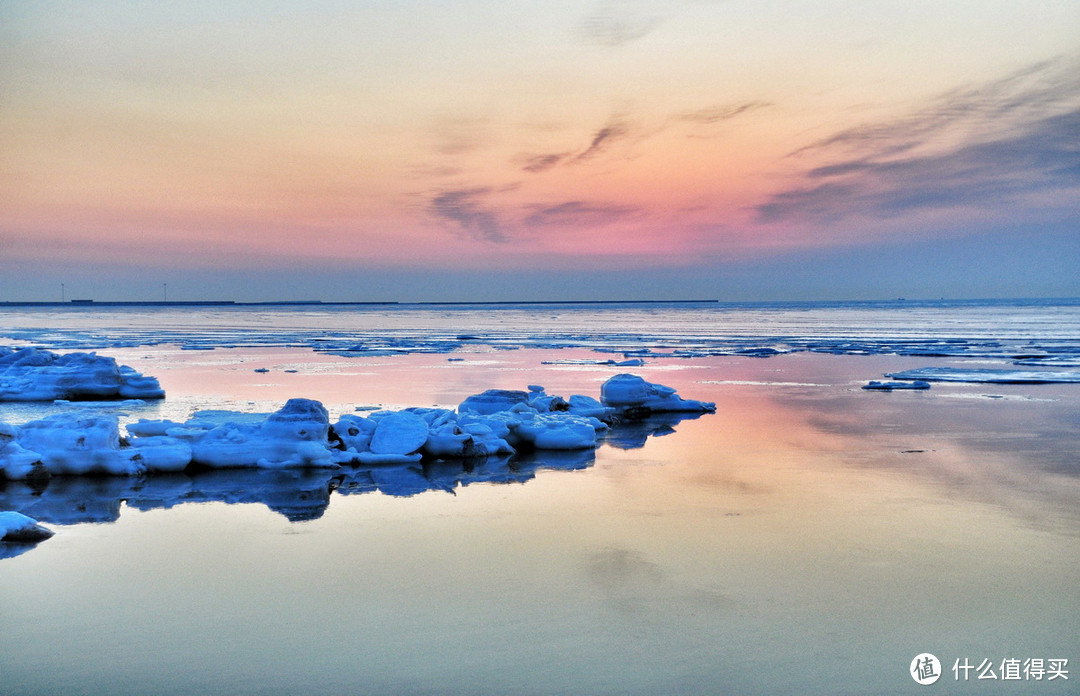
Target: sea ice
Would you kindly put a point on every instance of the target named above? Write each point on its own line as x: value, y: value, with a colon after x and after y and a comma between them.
x: 493, y: 401
x: 77, y: 443
x: 983, y: 375
x: 399, y: 433
x: 295, y: 436
x: 630, y: 393
x: 299, y: 435
x: 18, y: 528
x: 889, y: 386
x: 32, y: 374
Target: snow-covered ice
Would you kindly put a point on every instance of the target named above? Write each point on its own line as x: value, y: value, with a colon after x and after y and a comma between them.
x: 74, y: 443
x: 33, y: 374
x: 18, y: 528
x: 295, y: 436
x: 630, y: 393
x: 300, y: 435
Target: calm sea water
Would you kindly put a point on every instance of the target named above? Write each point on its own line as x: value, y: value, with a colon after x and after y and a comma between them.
x: 808, y: 538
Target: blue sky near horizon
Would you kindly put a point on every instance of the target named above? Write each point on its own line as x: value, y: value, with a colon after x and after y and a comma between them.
x: 647, y: 149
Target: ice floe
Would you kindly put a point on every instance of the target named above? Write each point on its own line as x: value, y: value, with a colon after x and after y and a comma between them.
x: 33, y: 374
x: 300, y: 434
x: 18, y: 528
x: 986, y: 375
x: 890, y: 386
x: 630, y: 393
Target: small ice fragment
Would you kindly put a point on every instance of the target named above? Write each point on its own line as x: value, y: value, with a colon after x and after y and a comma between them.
x: 16, y: 527
x: 890, y: 386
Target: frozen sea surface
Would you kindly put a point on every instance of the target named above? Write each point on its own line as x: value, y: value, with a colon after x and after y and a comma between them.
x: 1031, y: 330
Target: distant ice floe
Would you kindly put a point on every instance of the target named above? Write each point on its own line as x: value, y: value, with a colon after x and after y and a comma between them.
x: 986, y: 375
x: 890, y: 386
x: 630, y: 362
x: 33, y: 374
x: 301, y: 436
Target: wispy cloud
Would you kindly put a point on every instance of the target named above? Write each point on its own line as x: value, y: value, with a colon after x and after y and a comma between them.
x: 579, y: 214
x: 618, y: 128
x: 997, y: 144
x: 466, y: 208
x: 1022, y: 96
x: 717, y: 114
x: 615, y: 129
x: 602, y: 139
x: 459, y: 135
x: 541, y: 163
x: 617, y: 24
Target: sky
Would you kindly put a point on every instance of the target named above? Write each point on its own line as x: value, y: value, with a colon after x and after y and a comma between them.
x: 476, y: 150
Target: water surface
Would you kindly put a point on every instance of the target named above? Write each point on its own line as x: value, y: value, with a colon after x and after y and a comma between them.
x: 808, y: 538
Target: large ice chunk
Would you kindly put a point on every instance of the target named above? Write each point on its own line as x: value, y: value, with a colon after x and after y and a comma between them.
x: 79, y: 443
x: 295, y: 436
x: 17, y: 462
x: 493, y: 401
x: 632, y: 395
x: 399, y: 433
x: 32, y: 374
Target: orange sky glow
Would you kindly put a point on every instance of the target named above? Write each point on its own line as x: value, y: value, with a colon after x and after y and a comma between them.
x: 477, y: 135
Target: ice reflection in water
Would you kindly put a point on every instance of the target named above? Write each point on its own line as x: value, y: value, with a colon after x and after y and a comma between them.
x: 298, y: 494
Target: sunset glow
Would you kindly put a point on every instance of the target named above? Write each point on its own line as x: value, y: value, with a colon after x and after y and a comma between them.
x: 475, y: 150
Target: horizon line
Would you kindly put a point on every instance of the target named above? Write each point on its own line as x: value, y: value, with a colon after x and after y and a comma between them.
x: 89, y: 303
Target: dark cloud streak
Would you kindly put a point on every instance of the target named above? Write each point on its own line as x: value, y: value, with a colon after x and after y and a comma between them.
x: 720, y: 113
x: 579, y: 213
x: 993, y: 146
x: 464, y: 208
x: 602, y: 138
x: 541, y: 163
